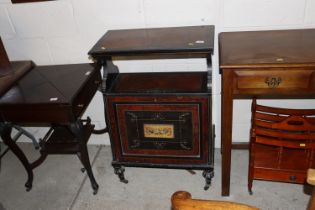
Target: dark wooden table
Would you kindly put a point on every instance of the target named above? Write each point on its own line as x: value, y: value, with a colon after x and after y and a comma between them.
x: 262, y: 64
x: 54, y: 96
x: 156, y: 91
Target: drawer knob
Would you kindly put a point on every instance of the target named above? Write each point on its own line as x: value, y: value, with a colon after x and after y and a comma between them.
x: 292, y: 178
x: 273, y: 82
x: 302, y: 145
x: 80, y: 105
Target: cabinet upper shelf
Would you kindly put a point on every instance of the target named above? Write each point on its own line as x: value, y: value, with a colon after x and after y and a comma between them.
x: 193, y: 41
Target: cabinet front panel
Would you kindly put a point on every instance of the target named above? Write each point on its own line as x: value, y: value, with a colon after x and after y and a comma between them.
x: 157, y: 129
x: 173, y: 132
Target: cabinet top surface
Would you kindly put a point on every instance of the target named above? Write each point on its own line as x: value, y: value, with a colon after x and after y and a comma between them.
x: 48, y: 85
x: 191, y: 39
x: 279, y: 48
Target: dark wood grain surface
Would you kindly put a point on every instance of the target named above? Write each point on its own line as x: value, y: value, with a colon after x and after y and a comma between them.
x: 155, y: 40
x: 186, y: 82
x: 46, y: 82
x: 50, y: 94
x: 267, y: 48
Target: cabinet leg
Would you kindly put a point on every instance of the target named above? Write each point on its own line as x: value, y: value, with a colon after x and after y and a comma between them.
x: 86, y: 163
x: 6, y: 137
x: 119, y: 171
x: 250, y: 191
x: 208, y: 175
x: 39, y: 161
x: 80, y: 158
x: 83, y: 154
x: 250, y: 184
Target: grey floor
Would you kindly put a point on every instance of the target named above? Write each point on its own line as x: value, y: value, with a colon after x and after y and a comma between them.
x: 59, y: 184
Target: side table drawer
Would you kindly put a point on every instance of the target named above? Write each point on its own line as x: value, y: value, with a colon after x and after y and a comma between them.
x: 278, y: 175
x: 83, y: 99
x: 250, y: 80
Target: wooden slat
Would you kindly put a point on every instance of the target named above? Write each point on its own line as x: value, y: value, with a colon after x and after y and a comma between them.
x: 263, y: 124
x: 240, y: 145
x: 285, y: 111
x: 288, y: 144
x: 284, y: 126
x: 282, y: 135
x: 294, y: 123
x: 310, y: 119
x: 269, y: 117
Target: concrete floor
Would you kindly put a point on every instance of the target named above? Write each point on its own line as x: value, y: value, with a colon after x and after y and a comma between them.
x: 59, y: 184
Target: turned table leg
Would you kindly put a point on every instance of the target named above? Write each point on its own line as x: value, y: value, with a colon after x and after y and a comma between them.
x: 226, y: 130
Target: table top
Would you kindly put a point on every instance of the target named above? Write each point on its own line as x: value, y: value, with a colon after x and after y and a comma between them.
x: 277, y: 48
x: 191, y: 39
x: 43, y: 85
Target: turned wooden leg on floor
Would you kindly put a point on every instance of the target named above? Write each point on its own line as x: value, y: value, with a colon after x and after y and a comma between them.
x: 311, y: 180
x: 120, y: 172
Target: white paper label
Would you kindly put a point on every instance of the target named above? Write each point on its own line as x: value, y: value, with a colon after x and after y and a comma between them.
x: 53, y: 99
x: 200, y: 42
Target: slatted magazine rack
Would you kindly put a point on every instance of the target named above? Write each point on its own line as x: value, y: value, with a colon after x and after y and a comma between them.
x: 282, y: 144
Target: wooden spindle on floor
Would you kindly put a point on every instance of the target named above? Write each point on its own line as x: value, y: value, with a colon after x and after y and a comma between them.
x: 182, y: 200
x: 311, y: 180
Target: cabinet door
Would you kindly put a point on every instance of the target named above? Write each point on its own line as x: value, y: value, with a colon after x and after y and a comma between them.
x: 156, y: 131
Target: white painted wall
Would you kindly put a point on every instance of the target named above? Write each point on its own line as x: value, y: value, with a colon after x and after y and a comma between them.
x: 63, y: 31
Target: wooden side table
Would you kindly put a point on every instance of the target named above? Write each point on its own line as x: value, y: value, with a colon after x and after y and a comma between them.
x: 158, y: 119
x: 263, y: 64
x: 54, y: 96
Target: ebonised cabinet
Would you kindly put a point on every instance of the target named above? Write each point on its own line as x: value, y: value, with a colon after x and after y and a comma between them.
x: 158, y: 119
